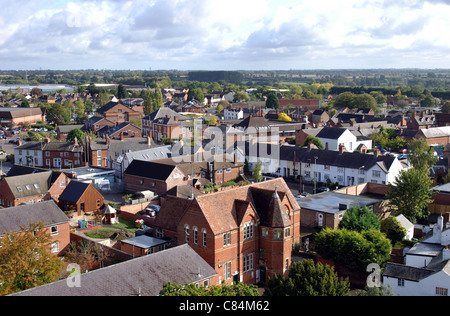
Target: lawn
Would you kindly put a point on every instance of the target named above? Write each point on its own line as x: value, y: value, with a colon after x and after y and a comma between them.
x: 108, y: 230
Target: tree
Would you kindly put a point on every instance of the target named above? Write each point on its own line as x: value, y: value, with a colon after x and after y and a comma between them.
x: 272, y: 101
x: 257, y: 175
x: 25, y: 104
x: 57, y: 114
x: 446, y: 107
x: 148, y: 101
x: 88, y: 255
x: 421, y: 155
x: 393, y: 229
x: 427, y: 100
x: 237, y: 289
x: 75, y: 133
x: 219, y: 108
x: 26, y: 260
x: 157, y: 98
x: 196, y: 94
x: 411, y: 194
x: 355, y: 250
x: 284, y: 117
x: 314, y: 140
x: 359, y: 219
x: 240, y: 96
x: 308, y: 279
x: 377, y: 291
x: 121, y: 92
x: 364, y: 100
x: 343, y: 100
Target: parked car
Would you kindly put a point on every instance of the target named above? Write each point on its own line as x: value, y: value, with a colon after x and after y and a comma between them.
x: 301, y: 196
x: 322, y: 189
x: 402, y: 156
x: 154, y: 208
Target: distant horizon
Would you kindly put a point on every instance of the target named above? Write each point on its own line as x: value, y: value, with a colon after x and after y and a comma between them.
x: 230, y: 70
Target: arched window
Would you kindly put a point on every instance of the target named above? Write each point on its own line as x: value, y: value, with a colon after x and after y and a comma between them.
x: 195, y: 235
x: 186, y: 233
x: 204, y: 237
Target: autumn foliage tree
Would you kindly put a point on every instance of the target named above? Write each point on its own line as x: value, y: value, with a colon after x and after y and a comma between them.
x: 26, y: 260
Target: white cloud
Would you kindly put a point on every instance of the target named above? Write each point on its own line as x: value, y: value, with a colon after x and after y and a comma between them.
x: 212, y: 34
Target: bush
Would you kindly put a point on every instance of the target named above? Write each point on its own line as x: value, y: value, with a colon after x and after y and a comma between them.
x: 356, y: 250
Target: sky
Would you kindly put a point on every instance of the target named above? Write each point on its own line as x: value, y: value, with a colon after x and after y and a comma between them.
x: 224, y: 35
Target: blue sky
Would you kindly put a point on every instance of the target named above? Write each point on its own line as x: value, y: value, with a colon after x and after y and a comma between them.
x: 224, y: 35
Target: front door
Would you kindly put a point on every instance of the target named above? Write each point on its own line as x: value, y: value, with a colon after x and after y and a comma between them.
x: 262, y: 274
x: 236, y: 278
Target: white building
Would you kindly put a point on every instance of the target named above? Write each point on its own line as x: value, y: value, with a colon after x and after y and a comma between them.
x: 233, y: 114
x: 426, y: 271
x: 29, y: 154
x: 333, y: 137
x: 345, y: 168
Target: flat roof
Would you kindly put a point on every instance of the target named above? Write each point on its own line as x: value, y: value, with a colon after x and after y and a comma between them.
x: 144, y: 241
x: 328, y: 202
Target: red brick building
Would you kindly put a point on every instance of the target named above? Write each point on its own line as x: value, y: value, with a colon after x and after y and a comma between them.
x: 246, y: 233
x: 32, y: 188
x: 56, y: 223
x: 62, y: 155
x: 120, y: 131
x: 159, y: 176
x: 118, y: 112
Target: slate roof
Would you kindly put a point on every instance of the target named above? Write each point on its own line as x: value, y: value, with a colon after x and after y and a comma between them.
x: 410, y: 273
x: 12, y: 218
x: 331, y: 132
x: 162, y: 112
x: 62, y: 146
x: 31, y: 146
x: 334, y: 158
x: 149, y: 169
x: 73, y: 191
x: 107, y: 106
x: 443, y: 131
x: 144, y: 276
x: 253, y: 121
x: 29, y: 184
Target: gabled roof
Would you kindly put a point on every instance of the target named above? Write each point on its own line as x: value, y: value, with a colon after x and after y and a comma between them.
x: 253, y: 121
x: 334, y: 158
x: 443, y: 131
x: 62, y: 146
x: 144, y: 276
x: 73, y: 191
x: 331, y: 132
x: 29, y: 184
x: 12, y: 218
x: 161, y: 112
x: 222, y: 211
x: 150, y: 169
